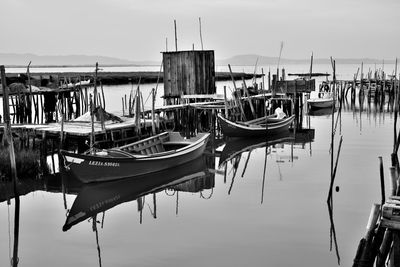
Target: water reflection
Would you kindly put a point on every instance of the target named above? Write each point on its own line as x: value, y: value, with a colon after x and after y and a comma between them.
x: 235, y: 148
x: 320, y: 112
x: 99, y: 197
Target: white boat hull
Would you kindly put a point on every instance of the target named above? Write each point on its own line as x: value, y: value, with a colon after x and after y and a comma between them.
x: 320, y: 103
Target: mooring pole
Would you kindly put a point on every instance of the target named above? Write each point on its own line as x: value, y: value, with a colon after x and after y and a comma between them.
x: 153, y: 100
x: 6, y: 113
x: 10, y: 144
x: 95, y: 85
x: 176, y: 37
x: 92, y: 137
x: 201, y: 37
x: 225, y: 102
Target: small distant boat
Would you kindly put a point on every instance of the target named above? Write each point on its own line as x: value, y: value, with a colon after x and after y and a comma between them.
x: 73, y: 85
x: 156, y: 153
x: 255, y: 127
x: 326, y: 101
x: 95, y: 198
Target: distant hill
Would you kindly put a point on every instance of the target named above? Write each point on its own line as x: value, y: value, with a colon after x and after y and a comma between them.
x: 68, y: 60
x: 12, y: 59
x: 250, y: 60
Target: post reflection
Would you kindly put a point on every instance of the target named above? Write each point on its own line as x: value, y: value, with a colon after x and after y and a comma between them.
x: 234, y: 149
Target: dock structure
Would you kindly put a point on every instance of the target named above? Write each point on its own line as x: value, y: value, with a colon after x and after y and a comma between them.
x: 376, y: 87
x: 45, y: 106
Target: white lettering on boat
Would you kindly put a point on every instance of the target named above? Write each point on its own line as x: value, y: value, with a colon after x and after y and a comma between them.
x: 73, y: 159
x: 100, y: 204
x: 103, y: 163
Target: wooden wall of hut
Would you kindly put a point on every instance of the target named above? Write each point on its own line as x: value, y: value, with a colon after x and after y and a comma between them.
x: 189, y: 73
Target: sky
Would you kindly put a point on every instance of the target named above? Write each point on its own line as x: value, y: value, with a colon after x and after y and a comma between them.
x: 141, y: 29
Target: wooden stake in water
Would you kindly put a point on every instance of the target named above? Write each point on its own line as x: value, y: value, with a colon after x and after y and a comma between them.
x: 10, y: 144
x: 382, y: 180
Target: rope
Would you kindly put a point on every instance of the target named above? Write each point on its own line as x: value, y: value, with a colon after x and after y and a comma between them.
x: 147, y: 98
x: 202, y: 196
x: 168, y: 194
x: 151, y: 211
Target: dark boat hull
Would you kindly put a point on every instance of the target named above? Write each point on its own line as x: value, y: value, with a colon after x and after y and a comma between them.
x: 94, y: 168
x: 320, y: 103
x: 233, y: 129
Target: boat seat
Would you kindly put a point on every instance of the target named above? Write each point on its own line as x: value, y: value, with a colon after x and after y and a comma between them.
x: 147, y: 146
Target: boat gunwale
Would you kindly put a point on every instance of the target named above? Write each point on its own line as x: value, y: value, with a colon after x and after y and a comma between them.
x: 270, y: 126
x: 138, y: 157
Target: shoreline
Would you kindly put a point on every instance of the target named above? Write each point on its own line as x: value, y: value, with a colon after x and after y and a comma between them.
x: 116, y: 78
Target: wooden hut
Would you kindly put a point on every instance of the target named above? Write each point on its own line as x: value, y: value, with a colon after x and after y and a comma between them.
x: 188, y: 73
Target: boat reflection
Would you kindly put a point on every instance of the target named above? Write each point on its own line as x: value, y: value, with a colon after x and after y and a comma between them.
x: 99, y: 197
x: 234, y: 147
x: 321, y: 112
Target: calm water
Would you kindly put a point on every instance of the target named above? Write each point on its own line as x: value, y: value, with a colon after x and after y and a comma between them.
x: 240, y: 213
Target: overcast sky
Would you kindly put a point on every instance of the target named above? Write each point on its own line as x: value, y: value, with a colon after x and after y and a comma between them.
x: 137, y: 29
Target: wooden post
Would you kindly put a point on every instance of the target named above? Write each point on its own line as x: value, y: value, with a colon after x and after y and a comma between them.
x: 239, y: 96
x: 92, y: 123
x: 176, y: 37
x: 248, y: 98
x: 123, y: 107
x: 226, y: 102
x: 10, y: 144
x: 263, y: 79
x: 201, y: 38
x: 363, y: 255
x: 30, y: 94
x: 62, y: 126
x: 8, y: 135
x: 332, y: 123
x: 269, y: 79
x: 137, y: 111
x: 382, y: 180
x: 153, y: 98
x: 102, y: 95
x: 312, y: 55
x: 95, y: 86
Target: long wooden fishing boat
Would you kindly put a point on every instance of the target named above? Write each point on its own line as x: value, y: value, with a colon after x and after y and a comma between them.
x: 95, y: 198
x: 156, y: 153
x: 255, y: 127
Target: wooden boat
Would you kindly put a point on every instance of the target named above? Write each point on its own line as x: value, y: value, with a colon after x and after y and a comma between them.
x: 326, y: 101
x: 95, y: 198
x: 152, y: 154
x: 255, y: 127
